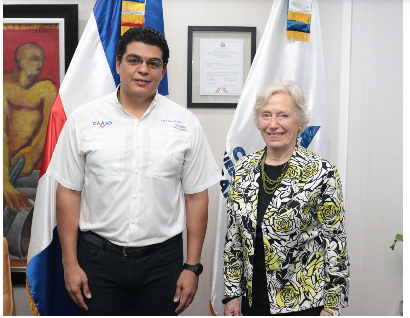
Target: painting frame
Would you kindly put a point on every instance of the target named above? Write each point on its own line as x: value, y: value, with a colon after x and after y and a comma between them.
x: 66, y: 16
x: 50, y: 12
x: 198, y: 33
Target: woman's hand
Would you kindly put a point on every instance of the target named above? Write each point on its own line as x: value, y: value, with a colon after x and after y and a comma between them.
x: 232, y: 308
x: 325, y: 313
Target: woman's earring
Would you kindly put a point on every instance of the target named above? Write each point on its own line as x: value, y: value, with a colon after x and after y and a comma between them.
x: 258, y: 126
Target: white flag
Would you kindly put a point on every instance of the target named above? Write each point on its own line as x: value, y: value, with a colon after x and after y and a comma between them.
x: 277, y: 58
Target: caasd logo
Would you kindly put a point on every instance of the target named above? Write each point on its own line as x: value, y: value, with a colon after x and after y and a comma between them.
x: 102, y: 123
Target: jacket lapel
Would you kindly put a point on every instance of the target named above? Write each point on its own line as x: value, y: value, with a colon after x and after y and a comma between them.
x: 288, y: 183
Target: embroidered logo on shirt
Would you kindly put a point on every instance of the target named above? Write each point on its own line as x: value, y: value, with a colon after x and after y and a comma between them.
x: 179, y: 126
x: 102, y: 123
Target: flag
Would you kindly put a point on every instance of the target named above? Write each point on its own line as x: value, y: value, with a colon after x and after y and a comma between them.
x: 91, y: 75
x: 277, y: 58
x: 299, y: 16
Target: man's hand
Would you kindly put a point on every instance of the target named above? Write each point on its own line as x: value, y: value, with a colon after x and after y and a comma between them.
x: 75, y: 280
x: 232, y: 308
x: 14, y: 199
x: 187, y: 285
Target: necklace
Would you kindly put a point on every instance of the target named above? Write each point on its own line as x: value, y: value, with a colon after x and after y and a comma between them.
x: 270, y: 185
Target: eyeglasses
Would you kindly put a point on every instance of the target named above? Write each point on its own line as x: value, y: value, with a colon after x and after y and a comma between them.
x: 136, y: 61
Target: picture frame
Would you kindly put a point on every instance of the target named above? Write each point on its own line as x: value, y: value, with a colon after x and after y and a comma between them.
x: 48, y: 33
x: 219, y: 60
x: 67, y: 12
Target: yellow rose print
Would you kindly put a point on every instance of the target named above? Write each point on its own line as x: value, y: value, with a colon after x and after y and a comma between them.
x: 306, y: 219
x: 271, y: 258
x: 331, y: 299
x: 314, y: 267
x: 233, y: 269
x: 309, y: 172
x: 284, y: 222
x: 288, y: 297
x: 329, y: 211
x: 293, y: 172
x: 342, y: 252
x: 250, y: 292
x: 245, y: 244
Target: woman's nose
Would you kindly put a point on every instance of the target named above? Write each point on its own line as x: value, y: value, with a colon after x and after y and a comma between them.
x: 273, y: 122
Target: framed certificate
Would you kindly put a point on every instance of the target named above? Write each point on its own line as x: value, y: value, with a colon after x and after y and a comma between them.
x: 219, y: 60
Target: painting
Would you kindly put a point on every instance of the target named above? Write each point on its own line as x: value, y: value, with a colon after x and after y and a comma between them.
x: 33, y: 68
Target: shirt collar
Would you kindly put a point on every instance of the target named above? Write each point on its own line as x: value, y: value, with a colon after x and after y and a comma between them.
x: 150, y: 108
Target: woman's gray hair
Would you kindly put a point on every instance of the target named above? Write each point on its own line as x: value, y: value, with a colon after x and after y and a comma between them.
x: 286, y: 86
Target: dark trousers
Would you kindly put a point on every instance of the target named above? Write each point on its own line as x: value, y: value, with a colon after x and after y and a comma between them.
x: 137, y: 286
x: 254, y: 311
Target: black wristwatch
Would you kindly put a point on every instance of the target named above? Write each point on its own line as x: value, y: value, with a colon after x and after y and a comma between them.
x: 197, y: 269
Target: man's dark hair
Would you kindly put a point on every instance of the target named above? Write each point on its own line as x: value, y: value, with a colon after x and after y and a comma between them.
x: 144, y: 35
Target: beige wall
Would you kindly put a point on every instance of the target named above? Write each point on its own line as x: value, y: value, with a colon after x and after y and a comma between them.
x: 374, y: 192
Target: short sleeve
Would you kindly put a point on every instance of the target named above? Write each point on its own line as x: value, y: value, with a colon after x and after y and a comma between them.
x: 67, y: 164
x: 200, y: 170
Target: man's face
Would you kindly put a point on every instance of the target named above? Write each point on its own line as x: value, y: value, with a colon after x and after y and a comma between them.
x: 140, y: 81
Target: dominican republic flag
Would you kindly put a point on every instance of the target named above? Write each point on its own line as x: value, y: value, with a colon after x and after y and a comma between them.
x: 91, y: 75
x: 277, y: 58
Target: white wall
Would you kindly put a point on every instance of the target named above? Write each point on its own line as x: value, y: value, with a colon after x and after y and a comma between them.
x: 374, y: 192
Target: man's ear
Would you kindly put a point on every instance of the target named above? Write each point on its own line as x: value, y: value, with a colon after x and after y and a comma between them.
x: 117, y: 65
x: 164, y: 69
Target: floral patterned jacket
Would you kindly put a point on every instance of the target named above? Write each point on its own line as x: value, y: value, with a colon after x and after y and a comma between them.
x: 304, y: 236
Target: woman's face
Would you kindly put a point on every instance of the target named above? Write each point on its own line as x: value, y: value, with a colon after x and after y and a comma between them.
x: 278, y: 123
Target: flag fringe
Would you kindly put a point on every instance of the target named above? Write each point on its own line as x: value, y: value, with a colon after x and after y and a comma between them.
x: 133, y: 6
x: 298, y: 36
x: 132, y: 18
x: 33, y: 306
x: 299, y: 16
x: 211, y: 309
x: 127, y: 27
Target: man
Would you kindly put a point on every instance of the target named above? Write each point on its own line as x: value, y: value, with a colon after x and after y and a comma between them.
x: 128, y: 166
x: 27, y: 102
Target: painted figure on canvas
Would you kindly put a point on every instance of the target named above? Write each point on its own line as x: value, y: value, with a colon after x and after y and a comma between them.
x: 28, y: 95
x: 27, y: 101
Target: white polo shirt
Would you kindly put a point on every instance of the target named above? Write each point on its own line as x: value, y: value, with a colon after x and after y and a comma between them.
x: 133, y: 173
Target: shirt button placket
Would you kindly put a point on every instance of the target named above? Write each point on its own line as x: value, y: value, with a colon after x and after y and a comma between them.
x: 137, y: 164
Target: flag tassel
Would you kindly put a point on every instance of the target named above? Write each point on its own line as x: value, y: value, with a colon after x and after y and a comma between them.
x: 299, y: 16
x: 33, y: 306
x: 211, y: 309
x: 298, y: 36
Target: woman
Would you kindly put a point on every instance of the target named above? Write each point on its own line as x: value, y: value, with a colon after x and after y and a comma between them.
x: 285, y: 249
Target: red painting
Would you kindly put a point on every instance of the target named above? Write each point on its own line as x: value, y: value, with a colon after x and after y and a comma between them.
x: 31, y: 79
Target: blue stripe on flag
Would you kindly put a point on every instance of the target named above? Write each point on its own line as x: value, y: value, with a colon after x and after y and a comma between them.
x: 154, y: 18
x: 45, y: 270
x: 107, y: 13
x: 307, y: 136
x: 298, y: 26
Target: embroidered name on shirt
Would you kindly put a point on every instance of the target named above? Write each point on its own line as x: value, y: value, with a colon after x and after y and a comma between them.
x: 171, y: 121
x: 102, y: 124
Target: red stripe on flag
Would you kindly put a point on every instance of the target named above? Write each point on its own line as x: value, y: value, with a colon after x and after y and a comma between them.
x: 55, y: 125
x: 132, y: 24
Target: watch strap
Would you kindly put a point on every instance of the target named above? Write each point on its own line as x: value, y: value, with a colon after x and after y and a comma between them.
x: 197, y: 268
